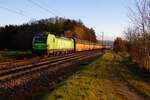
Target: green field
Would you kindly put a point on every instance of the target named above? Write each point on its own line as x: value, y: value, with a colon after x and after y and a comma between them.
x: 107, y: 78
x: 6, y: 55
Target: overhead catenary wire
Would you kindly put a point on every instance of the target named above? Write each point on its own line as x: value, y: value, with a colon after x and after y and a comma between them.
x: 52, y: 9
x: 14, y: 11
x: 19, y: 11
x: 44, y: 8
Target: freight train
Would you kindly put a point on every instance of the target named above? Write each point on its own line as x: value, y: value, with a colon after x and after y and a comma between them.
x: 51, y: 44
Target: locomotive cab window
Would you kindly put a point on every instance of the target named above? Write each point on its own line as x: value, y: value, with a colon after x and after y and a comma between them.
x: 40, y: 38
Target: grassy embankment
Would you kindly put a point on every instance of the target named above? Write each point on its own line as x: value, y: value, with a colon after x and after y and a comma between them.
x: 14, y: 55
x: 111, y: 77
x: 96, y: 81
x: 90, y: 83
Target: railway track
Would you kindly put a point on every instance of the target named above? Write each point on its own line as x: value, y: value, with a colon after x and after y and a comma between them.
x: 6, y: 74
x: 16, y: 76
x: 14, y: 71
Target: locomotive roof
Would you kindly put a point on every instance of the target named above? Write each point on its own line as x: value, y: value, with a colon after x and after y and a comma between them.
x: 61, y: 37
x: 40, y: 34
x: 65, y: 38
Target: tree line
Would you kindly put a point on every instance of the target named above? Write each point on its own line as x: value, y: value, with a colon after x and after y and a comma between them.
x: 19, y: 37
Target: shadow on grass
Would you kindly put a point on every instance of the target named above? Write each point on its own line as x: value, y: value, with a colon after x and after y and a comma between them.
x: 133, y: 67
x: 137, y: 79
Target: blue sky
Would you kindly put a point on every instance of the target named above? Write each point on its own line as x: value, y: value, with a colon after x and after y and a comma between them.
x: 108, y: 16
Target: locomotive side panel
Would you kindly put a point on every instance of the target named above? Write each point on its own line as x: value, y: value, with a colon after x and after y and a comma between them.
x: 63, y: 45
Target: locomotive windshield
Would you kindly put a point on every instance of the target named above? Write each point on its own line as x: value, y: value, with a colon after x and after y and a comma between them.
x: 41, y: 38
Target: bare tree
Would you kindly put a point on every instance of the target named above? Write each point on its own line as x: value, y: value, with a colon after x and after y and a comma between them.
x: 138, y: 35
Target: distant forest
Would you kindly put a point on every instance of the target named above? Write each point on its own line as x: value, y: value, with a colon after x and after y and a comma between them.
x: 19, y: 37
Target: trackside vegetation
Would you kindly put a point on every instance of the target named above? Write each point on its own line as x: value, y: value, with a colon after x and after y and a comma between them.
x: 110, y: 77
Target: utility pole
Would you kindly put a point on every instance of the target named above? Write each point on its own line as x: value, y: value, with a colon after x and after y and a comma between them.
x: 102, y: 38
x: 102, y: 41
